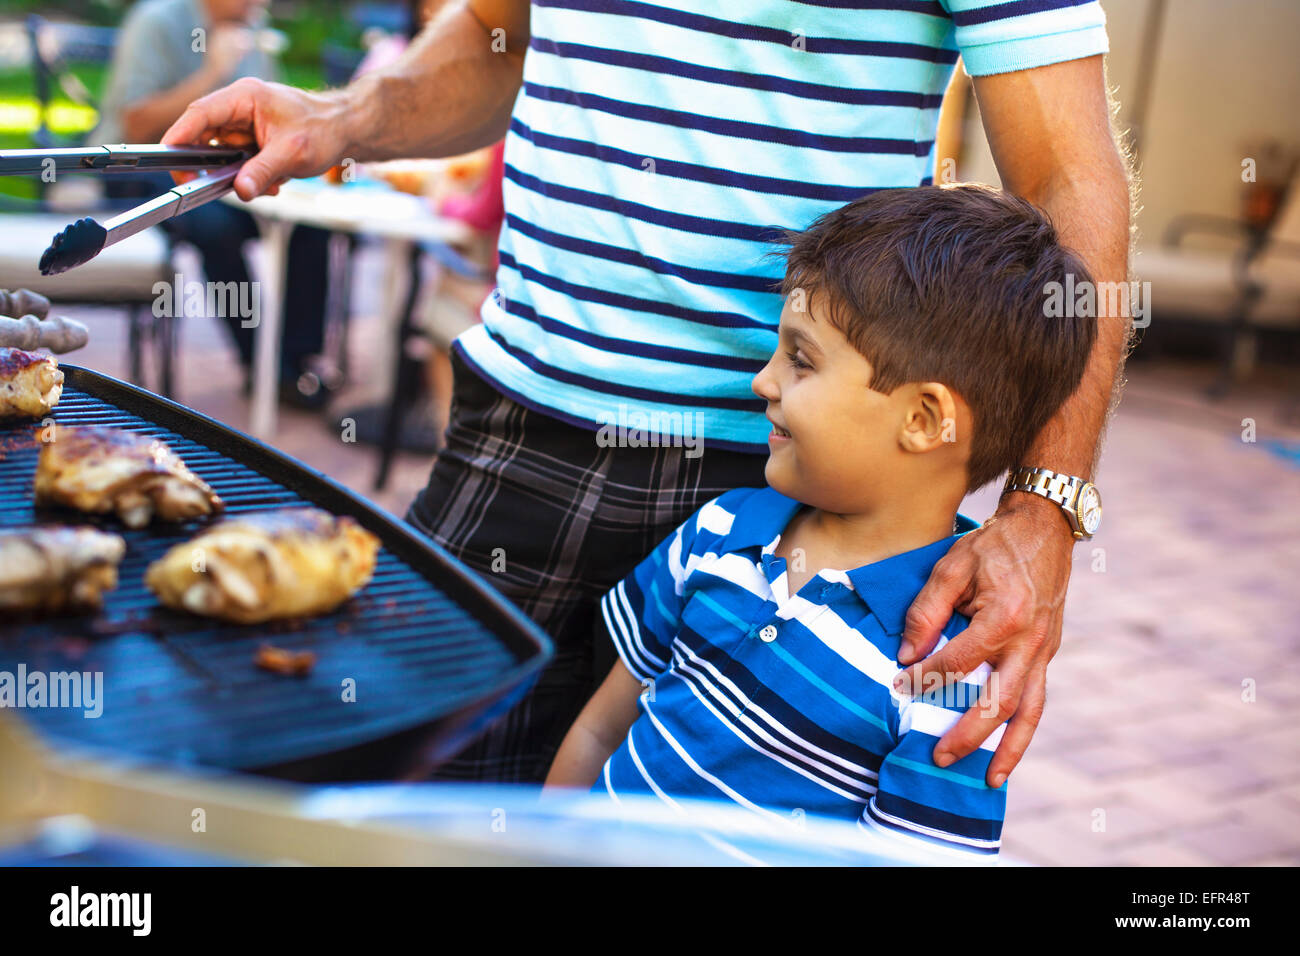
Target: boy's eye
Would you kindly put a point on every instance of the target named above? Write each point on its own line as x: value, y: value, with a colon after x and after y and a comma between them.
x: 796, y: 361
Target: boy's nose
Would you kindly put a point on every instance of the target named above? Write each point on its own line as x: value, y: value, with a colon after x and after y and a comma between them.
x: 764, y: 384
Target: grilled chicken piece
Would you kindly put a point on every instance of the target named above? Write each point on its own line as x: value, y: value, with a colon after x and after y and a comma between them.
x: 53, y: 568
x: 99, y: 470
x: 30, y: 384
x: 266, y: 565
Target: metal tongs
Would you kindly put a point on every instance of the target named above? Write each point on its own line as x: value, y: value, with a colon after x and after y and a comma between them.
x: 86, y: 238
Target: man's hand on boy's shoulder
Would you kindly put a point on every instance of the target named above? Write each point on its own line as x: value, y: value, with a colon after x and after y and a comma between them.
x: 1009, y: 577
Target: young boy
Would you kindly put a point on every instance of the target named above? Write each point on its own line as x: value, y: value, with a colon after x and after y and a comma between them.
x: 758, y: 644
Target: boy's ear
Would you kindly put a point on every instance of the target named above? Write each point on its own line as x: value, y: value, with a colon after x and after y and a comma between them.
x: 931, y: 417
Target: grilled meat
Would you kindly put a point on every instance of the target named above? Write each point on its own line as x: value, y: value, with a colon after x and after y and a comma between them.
x: 278, y: 660
x: 266, y: 565
x: 30, y: 384
x: 56, y: 568
x: 99, y: 470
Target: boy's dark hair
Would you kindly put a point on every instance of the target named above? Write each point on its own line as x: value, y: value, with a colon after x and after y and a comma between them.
x: 950, y: 284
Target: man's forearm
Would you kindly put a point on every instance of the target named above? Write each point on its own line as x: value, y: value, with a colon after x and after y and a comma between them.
x: 1052, y: 134
x: 1091, y: 210
x: 450, y: 92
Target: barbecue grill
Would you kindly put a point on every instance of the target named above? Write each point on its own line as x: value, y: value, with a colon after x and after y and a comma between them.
x: 433, y: 652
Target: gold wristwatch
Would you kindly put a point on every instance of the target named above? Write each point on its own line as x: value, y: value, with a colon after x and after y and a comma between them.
x: 1079, y: 499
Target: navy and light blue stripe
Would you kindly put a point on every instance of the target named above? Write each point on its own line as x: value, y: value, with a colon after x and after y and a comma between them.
x: 657, y: 148
x: 807, y: 720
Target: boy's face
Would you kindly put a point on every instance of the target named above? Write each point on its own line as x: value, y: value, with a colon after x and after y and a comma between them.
x: 836, y: 444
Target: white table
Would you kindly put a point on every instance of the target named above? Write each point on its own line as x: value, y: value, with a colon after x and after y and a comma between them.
x: 365, y: 207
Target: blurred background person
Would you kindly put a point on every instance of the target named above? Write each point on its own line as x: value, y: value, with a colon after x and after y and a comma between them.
x: 169, y: 53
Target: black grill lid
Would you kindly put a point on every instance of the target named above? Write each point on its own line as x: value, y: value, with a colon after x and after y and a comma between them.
x: 434, y: 652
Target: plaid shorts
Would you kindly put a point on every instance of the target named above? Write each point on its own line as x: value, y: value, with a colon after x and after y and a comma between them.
x: 564, y: 520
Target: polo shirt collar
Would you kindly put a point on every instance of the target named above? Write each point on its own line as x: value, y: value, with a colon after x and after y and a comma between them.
x: 761, y: 517
x: 888, y: 587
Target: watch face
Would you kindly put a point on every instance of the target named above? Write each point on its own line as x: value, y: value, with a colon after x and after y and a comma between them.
x: 1090, y: 509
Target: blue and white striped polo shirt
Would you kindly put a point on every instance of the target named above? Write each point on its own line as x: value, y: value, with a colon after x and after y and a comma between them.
x: 656, y: 147
x: 783, y: 703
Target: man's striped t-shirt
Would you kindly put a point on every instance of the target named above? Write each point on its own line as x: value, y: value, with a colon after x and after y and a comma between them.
x: 657, y: 148
x: 784, y: 702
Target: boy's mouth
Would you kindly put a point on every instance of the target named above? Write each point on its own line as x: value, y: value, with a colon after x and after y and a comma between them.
x: 778, y: 431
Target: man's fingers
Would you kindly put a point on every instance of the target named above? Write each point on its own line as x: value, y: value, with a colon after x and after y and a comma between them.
x: 189, y: 129
x: 235, y: 139
x: 1015, y: 739
x: 230, y: 110
x: 232, y: 139
x: 957, y: 658
x: 267, y: 169
x: 933, y: 607
x: 999, y: 699
x: 202, y: 121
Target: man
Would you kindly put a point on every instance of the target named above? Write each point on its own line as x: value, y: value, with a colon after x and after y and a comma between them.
x: 168, y: 53
x: 653, y: 149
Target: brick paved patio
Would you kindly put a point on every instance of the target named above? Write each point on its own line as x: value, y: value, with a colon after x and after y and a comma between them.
x: 1148, y: 754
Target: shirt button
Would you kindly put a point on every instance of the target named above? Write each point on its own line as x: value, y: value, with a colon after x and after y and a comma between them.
x: 768, y: 634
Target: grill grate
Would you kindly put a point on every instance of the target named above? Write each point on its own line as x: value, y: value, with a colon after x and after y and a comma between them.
x: 434, y: 653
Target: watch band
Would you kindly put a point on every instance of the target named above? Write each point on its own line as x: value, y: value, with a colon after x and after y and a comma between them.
x: 1050, y: 484
x: 1063, y: 490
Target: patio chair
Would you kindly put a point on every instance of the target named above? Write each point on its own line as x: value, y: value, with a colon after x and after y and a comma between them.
x: 1247, y: 287
x: 53, y: 47
x: 123, y: 275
